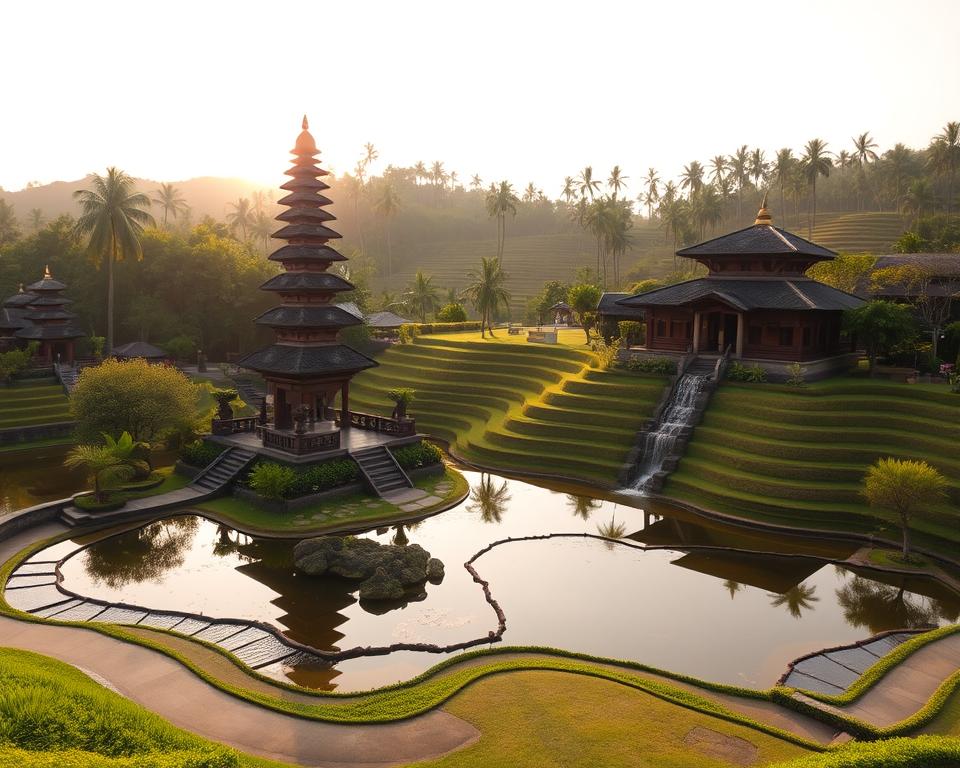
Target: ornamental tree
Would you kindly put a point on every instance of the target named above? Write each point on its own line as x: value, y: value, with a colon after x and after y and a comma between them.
x: 880, y: 326
x: 583, y: 300
x: 148, y: 401
x: 904, y: 487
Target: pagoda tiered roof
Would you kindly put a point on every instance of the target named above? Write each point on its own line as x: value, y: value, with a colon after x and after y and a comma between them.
x: 38, y: 314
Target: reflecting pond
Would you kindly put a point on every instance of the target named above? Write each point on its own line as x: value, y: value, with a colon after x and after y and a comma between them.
x: 687, y: 605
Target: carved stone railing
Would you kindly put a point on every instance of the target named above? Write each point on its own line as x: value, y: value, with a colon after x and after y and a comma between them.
x: 308, y: 442
x: 233, y: 426
x: 373, y: 423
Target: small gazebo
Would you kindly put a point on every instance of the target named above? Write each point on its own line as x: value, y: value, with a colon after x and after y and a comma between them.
x: 140, y: 350
x: 562, y: 313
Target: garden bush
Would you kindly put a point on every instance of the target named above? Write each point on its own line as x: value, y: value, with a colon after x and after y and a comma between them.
x: 631, y: 332
x: 918, y: 752
x: 662, y: 365
x: 753, y: 374
x: 200, y: 453
x: 323, y: 477
x: 271, y: 480
x: 452, y: 313
x: 423, y: 454
x: 420, y: 328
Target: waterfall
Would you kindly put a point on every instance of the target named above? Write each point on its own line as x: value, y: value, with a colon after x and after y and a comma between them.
x: 678, y: 414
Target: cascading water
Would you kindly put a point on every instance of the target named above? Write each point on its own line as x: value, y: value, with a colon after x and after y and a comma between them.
x: 678, y: 414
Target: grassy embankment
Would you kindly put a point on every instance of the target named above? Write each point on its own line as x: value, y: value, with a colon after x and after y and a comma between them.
x: 797, y: 456
x: 512, y: 405
x: 24, y: 405
x: 856, y: 232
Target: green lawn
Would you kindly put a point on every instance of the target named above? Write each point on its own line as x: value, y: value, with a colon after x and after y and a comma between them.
x: 509, y: 404
x: 25, y: 405
x: 797, y: 456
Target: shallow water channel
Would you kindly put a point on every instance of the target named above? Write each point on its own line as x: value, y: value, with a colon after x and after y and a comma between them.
x: 692, y: 606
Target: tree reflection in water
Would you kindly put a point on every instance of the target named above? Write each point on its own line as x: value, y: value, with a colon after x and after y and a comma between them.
x: 141, y: 555
x: 612, y: 530
x: 732, y: 587
x: 800, y: 598
x: 582, y: 506
x: 882, y: 607
x: 489, y: 500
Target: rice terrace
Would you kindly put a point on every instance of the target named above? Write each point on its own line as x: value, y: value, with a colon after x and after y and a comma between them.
x: 548, y: 385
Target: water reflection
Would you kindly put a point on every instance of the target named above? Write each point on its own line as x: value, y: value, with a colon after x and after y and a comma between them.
x: 796, y: 599
x: 143, y: 554
x: 488, y: 499
x: 582, y: 506
x: 880, y: 607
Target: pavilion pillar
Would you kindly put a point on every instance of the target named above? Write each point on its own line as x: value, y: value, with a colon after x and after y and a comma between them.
x: 345, y: 404
x: 740, y: 330
x: 696, y: 332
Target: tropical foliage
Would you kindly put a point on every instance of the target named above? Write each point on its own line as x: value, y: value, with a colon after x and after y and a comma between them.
x: 487, y: 292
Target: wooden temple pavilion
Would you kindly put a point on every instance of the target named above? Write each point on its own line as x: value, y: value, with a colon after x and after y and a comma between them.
x: 39, y: 314
x: 307, y: 366
x: 755, y: 302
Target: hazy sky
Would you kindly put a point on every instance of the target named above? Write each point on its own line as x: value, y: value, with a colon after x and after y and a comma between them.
x: 529, y: 91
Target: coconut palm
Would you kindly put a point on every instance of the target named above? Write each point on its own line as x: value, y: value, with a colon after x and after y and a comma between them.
x: 815, y: 163
x: 707, y: 208
x: 782, y: 168
x: 241, y: 217
x: 530, y: 192
x: 476, y: 182
x: 586, y: 184
x: 718, y: 168
x: 617, y: 181
x: 739, y: 169
x: 569, y: 189
x: 36, y: 219
x: 945, y: 156
x: 102, y: 463
x: 649, y: 201
x: 844, y: 160
x: 500, y: 201
x: 420, y: 171
x: 692, y: 178
x: 798, y: 599
x: 112, y: 214
x: 863, y: 155
x: 758, y: 167
x: 370, y: 155
x: 919, y: 198
x: 898, y: 161
x: 422, y: 298
x: 487, y: 292
x: 259, y: 201
x: 488, y: 499
x: 387, y: 206
x: 261, y: 229
x: 652, y: 181
x: 169, y: 199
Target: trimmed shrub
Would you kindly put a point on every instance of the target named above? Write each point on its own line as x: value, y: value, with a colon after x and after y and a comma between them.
x: 200, y: 453
x: 181, y: 348
x: 631, y: 332
x: 918, y: 752
x: 407, y: 333
x: 271, y: 480
x: 323, y: 477
x: 797, y: 375
x: 663, y: 365
x: 423, y: 454
x: 754, y: 374
x: 452, y: 313
x: 421, y: 328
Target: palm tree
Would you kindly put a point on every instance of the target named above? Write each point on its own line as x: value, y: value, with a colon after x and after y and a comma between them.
x: 617, y: 181
x: 530, y: 192
x: 707, y: 208
x: 112, y: 214
x: 261, y: 227
x: 259, y: 198
x: 370, y: 154
x: 945, y: 156
x: 652, y: 180
x: 487, y: 291
x: 758, y: 167
x: 798, y: 599
x: 648, y: 200
x: 898, y: 162
x: 476, y: 182
x: 500, y: 201
x: 36, y: 219
x: 586, y: 184
x: 844, y: 161
x: 420, y: 171
x: 241, y: 217
x: 422, y: 296
x: 863, y: 155
x: 488, y: 499
x: 718, y: 168
x: 782, y: 168
x: 387, y: 206
x: 438, y: 177
x: 692, y: 178
x: 168, y: 197
x: 9, y: 227
x: 739, y: 165
x: 919, y: 198
x: 103, y: 464
x: 815, y: 163
x: 569, y: 189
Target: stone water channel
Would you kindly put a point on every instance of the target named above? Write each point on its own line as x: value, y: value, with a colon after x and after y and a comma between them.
x: 707, y: 600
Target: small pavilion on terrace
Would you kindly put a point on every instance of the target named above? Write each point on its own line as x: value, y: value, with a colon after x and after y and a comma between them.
x: 756, y: 302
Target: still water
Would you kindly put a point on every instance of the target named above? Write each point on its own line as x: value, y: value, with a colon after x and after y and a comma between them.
x: 729, y: 617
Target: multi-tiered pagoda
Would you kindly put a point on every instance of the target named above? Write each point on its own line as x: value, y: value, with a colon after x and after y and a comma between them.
x: 40, y: 314
x: 307, y: 366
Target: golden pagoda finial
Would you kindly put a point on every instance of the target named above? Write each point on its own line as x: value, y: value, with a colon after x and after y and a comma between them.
x: 46, y: 273
x: 21, y: 288
x: 763, y: 215
x: 306, y: 125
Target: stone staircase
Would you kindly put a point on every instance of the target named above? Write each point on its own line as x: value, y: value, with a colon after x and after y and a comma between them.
x: 223, y: 470
x: 702, y: 366
x: 381, y: 470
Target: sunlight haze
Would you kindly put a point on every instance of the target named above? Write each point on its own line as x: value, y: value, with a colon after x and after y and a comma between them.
x: 524, y: 91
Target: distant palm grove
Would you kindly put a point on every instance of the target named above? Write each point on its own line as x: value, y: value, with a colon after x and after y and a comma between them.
x: 612, y: 227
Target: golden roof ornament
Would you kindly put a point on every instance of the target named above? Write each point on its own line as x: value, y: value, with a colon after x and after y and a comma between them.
x: 763, y: 215
x: 305, y: 146
x: 46, y: 273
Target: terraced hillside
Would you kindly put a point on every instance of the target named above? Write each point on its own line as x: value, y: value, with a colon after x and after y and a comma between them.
x: 798, y: 456
x: 516, y: 406
x: 28, y: 404
x: 532, y: 260
x: 856, y: 232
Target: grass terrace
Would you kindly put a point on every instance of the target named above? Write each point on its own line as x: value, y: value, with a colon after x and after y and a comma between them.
x: 797, y: 456
x: 853, y: 232
x: 508, y: 404
x: 28, y: 404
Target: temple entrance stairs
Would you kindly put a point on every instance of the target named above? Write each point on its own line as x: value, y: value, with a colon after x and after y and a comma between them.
x: 702, y: 365
x: 381, y: 470
x: 223, y: 470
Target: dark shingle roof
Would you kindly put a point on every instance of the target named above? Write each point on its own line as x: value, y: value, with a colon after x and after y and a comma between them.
x: 329, y: 316
x: 306, y: 281
x: 46, y: 284
x: 320, y: 252
x: 292, y: 231
x: 12, y: 318
x: 307, y: 361
x: 608, y: 306
x: 757, y: 240
x: 20, y: 299
x: 745, y: 295
x: 139, y: 349
x: 386, y: 320
x: 50, y: 332
x: 49, y: 301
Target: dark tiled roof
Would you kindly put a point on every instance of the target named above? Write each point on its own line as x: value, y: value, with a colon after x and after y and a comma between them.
x: 303, y: 215
x: 310, y: 198
x: 802, y: 294
x: 139, y: 349
x: 294, y: 231
x: 47, y: 284
x: 20, y: 299
x: 941, y: 264
x: 301, y: 184
x: 307, y: 361
x: 319, y: 252
x: 330, y: 316
x: 48, y: 314
x: 758, y: 240
x: 12, y: 318
x: 306, y: 281
x: 50, y: 332
x: 608, y: 306
x: 386, y: 320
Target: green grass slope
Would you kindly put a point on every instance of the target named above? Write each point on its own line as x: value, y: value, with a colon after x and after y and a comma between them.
x: 514, y: 405
x: 854, y: 232
x: 798, y: 456
x: 28, y: 404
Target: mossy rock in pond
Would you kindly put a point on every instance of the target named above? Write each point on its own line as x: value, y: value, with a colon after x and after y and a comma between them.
x: 364, y: 559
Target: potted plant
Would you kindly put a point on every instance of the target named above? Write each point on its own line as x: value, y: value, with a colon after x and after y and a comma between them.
x: 223, y: 398
x: 402, y: 396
